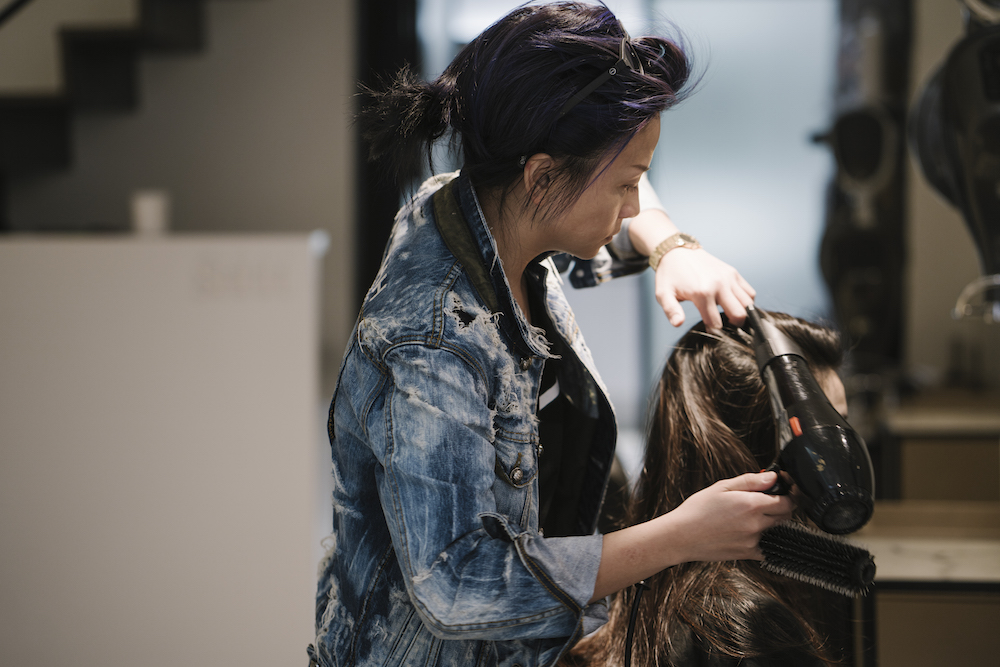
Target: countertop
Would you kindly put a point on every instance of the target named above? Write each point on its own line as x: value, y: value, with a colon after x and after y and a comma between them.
x: 934, y: 541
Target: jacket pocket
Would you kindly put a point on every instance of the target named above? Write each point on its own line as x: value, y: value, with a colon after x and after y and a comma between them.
x: 517, y: 476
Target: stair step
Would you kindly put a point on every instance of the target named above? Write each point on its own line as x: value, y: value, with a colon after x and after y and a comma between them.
x: 172, y: 25
x: 96, y: 68
x: 100, y: 69
x: 34, y: 134
x: 30, y: 42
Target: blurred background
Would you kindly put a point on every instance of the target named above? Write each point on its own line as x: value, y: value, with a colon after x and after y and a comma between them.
x: 188, y: 223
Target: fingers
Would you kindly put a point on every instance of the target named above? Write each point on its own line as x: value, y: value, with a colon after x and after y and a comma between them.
x: 780, y: 510
x: 771, y: 509
x: 734, y: 303
x: 759, y: 482
x: 708, y: 283
x: 747, y: 288
x: 709, y: 311
x: 735, y: 296
x: 671, y: 308
x: 728, y: 517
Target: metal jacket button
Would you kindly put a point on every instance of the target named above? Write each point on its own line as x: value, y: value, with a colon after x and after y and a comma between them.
x: 525, y: 363
x: 517, y: 475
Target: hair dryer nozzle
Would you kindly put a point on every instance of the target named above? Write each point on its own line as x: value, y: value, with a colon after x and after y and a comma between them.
x: 831, y: 467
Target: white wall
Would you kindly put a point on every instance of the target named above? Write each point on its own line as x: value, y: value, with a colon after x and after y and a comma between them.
x: 251, y: 135
x: 736, y: 165
x: 158, y: 451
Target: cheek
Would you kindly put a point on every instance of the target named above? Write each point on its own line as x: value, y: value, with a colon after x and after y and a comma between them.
x: 613, y: 206
x: 833, y: 387
x: 599, y: 214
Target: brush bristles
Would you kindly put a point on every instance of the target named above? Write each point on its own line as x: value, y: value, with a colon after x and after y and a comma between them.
x: 795, y: 551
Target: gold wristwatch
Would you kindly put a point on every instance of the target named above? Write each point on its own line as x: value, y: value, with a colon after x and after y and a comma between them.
x: 678, y: 240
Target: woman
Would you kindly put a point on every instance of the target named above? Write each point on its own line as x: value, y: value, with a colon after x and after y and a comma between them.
x: 712, y: 420
x: 471, y: 434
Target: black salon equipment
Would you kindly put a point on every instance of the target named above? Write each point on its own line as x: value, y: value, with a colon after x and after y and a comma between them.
x: 817, y: 449
x: 954, y: 134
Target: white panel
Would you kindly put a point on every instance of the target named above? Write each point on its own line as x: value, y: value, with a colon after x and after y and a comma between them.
x: 157, y: 451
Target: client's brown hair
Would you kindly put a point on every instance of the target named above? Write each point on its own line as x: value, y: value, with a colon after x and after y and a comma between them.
x: 711, y: 420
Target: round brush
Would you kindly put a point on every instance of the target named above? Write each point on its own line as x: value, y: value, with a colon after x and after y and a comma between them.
x: 799, y: 552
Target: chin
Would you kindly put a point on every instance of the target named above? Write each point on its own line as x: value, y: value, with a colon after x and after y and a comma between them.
x: 588, y: 252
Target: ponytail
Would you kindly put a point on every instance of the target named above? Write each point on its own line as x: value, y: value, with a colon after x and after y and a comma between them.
x: 402, y: 121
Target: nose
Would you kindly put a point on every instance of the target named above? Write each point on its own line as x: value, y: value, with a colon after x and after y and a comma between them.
x: 630, y: 208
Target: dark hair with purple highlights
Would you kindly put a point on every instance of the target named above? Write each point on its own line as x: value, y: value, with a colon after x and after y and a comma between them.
x: 501, y: 96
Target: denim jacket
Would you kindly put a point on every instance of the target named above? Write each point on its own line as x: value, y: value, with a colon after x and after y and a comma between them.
x: 437, y: 556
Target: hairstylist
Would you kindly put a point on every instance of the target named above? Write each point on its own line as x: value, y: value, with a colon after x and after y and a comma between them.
x: 471, y: 434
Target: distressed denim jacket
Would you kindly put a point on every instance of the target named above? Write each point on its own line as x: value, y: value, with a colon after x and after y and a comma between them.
x: 437, y: 557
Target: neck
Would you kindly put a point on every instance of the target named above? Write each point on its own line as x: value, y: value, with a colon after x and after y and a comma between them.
x: 512, y: 235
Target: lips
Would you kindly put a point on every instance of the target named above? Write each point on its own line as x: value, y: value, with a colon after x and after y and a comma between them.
x: 618, y: 228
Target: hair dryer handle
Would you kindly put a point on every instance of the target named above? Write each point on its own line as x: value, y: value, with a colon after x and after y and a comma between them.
x: 781, y: 487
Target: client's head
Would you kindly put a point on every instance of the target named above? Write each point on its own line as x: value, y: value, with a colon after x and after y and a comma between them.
x: 711, y: 417
x: 711, y: 420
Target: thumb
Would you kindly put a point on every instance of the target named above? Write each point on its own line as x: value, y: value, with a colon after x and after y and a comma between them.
x: 672, y: 309
x: 753, y: 481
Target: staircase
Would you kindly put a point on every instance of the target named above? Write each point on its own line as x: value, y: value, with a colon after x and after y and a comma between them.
x: 61, y: 57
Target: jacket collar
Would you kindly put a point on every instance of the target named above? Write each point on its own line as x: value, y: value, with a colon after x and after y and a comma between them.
x: 462, y: 226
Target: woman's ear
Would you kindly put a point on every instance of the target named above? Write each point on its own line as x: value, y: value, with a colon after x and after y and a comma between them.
x: 537, y: 176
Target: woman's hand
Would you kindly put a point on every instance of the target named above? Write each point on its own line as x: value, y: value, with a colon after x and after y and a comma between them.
x: 696, y: 276
x: 685, y: 274
x: 721, y: 522
x: 724, y: 521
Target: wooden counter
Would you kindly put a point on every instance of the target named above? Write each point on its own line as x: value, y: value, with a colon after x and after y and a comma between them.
x: 916, y: 540
x: 936, y: 598
x: 943, y: 446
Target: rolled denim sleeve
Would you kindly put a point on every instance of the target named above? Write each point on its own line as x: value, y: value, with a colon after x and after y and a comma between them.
x: 471, y: 570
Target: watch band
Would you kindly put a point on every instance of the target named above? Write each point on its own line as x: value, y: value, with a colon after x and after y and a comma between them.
x: 672, y: 242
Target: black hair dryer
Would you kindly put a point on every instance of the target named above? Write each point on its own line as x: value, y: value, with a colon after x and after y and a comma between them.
x: 817, y: 448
